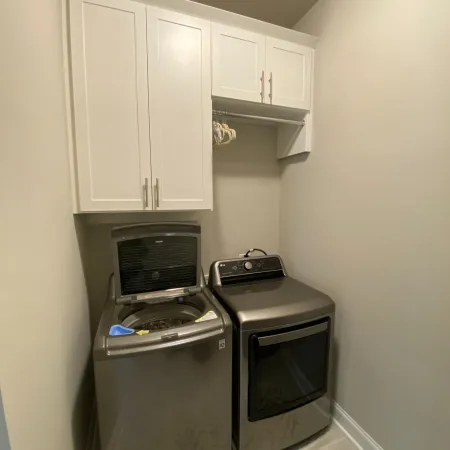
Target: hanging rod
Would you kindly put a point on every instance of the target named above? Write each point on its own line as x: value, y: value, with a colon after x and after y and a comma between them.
x: 268, y: 119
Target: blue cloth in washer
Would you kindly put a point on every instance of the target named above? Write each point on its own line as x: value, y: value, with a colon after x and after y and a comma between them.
x: 119, y: 330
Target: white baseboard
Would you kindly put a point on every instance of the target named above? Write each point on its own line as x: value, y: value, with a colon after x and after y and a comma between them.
x: 355, y: 433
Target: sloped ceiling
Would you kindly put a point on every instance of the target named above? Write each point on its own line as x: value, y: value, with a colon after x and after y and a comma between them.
x: 285, y: 13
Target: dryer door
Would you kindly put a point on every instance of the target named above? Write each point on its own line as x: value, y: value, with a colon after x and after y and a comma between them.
x: 287, y: 368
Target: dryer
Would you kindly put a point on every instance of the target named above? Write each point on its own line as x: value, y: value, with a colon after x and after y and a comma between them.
x: 282, y: 345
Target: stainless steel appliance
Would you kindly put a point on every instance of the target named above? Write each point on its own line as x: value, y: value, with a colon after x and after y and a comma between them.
x: 162, y: 353
x: 281, y: 352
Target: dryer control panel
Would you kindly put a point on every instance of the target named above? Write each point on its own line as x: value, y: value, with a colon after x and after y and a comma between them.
x: 246, y: 269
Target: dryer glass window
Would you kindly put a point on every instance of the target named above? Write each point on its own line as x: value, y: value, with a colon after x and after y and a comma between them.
x: 287, y: 369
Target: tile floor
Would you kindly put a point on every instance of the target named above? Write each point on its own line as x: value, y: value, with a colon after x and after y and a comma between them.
x: 332, y: 439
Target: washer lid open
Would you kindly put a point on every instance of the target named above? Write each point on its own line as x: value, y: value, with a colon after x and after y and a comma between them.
x: 156, y: 262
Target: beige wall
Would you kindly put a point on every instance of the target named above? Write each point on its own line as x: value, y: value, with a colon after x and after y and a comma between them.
x: 366, y: 217
x: 246, y: 210
x: 44, y: 331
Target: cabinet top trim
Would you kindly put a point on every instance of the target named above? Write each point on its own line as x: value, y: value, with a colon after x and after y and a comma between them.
x: 235, y: 20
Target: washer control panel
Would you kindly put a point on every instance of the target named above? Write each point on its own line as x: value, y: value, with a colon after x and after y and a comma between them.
x: 245, y: 268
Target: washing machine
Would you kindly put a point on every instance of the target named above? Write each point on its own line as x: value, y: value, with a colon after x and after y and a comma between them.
x: 282, y: 352
x: 163, y: 348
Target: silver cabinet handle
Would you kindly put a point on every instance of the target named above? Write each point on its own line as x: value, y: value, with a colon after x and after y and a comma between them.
x: 262, y: 87
x: 271, y: 87
x: 146, y: 193
x: 157, y: 188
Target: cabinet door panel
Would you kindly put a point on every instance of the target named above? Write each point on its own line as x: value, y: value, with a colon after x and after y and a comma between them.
x: 289, y: 74
x: 109, y: 68
x: 180, y: 110
x: 238, y: 63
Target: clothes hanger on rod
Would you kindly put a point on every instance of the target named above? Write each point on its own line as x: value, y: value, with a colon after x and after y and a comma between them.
x: 222, y: 133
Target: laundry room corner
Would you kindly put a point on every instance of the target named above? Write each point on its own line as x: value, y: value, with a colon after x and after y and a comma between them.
x: 225, y: 225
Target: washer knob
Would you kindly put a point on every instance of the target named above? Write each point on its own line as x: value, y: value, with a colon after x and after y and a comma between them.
x: 248, y: 265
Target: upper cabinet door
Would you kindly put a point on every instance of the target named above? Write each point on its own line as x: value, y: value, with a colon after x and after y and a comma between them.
x: 109, y: 69
x: 179, y: 68
x: 238, y: 63
x: 288, y: 74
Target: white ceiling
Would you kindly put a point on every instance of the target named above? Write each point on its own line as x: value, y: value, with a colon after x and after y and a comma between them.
x: 285, y: 13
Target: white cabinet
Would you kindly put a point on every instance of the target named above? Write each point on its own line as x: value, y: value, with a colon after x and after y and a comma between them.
x: 141, y: 80
x: 238, y: 63
x: 109, y: 73
x: 288, y: 68
x: 179, y: 67
x: 252, y: 67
